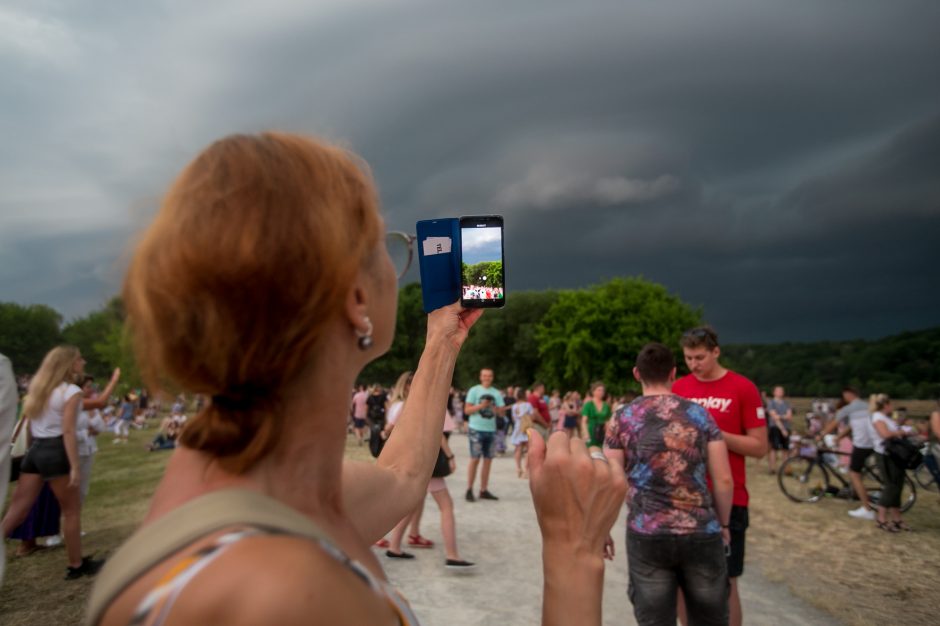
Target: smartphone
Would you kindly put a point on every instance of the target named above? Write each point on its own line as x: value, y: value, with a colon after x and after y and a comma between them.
x: 482, y: 266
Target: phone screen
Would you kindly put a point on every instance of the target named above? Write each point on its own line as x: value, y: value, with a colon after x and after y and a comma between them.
x: 482, y: 277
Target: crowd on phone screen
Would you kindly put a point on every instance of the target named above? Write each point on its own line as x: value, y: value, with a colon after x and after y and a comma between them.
x: 481, y: 292
x: 266, y: 424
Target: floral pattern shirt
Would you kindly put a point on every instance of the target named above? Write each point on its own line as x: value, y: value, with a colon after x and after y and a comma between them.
x: 665, y: 442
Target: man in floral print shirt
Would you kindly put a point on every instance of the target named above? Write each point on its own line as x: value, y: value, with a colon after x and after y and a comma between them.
x: 677, y: 532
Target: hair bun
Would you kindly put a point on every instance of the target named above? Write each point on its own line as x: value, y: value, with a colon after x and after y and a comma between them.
x: 241, y: 398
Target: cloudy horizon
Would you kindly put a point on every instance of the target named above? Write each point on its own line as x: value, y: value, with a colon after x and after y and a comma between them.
x: 772, y: 163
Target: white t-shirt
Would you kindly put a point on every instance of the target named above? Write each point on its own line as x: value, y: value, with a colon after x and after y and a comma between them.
x: 855, y: 415
x: 49, y: 422
x: 520, y: 408
x: 391, y: 416
x: 876, y: 417
x: 87, y: 443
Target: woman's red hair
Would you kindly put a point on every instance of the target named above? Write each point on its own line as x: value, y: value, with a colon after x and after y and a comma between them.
x: 228, y: 293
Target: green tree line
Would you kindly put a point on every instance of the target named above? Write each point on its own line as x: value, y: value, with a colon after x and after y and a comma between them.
x: 27, y: 333
x: 485, y: 274
x: 565, y: 338
x: 906, y: 365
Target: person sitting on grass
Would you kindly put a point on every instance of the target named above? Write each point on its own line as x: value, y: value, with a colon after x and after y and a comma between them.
x: 170, y: 429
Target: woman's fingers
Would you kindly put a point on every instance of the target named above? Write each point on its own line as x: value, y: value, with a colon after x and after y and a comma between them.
x: 576, y: 492
x: 452, y: 322
x: 536, y: 456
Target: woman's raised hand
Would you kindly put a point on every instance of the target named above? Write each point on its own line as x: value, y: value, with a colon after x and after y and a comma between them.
x: 451, y: 324
x: 577, y: 496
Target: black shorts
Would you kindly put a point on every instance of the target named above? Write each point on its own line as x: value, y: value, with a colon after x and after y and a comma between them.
x: 47, y: 458
x: 571, y: 421
x: 858, y: 458
x: 777, y: 440
x: 738, y: 526
x: 359, y: 423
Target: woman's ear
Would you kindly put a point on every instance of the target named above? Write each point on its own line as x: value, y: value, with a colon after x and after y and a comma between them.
x: 357, y: 310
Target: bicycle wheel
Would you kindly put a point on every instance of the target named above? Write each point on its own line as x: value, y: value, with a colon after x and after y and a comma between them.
x: 925, y: 479
x: 802, y: 479
x: 908, y: 493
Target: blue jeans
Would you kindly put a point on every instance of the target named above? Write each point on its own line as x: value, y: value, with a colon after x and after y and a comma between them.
x: 481, y: 444
x: 661, y: 564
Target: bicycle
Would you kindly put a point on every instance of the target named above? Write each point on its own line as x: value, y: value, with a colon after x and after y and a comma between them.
x: 923, y: 475
x: 808, y: 477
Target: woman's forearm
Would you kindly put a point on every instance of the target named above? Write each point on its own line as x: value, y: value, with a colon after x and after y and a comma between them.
x: 412, y: 452
x: 69, y: 435
x: 573, y: 587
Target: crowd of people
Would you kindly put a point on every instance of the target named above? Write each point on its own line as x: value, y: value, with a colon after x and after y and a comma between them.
x: 259, y: 518
x: 482, y: 292
x: 58, y: 415
x: 677, y: 432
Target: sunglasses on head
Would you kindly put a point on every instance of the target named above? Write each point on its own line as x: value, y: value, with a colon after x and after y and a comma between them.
x: 702, y: 333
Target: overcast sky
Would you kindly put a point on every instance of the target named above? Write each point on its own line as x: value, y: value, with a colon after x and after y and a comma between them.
x: 776, y: 163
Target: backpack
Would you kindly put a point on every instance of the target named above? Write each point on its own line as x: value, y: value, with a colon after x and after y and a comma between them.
x: 903, y: 452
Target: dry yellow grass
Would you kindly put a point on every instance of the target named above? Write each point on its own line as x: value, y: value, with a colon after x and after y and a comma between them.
x: 847, y: 567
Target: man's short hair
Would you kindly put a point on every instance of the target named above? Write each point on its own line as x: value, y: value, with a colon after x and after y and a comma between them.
x: 537, y: 384
x: 699, y: 337
x: 851, y: 390
x: 654, y: 363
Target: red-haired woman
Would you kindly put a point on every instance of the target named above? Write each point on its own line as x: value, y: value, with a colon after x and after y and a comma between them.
x: 265, y: 283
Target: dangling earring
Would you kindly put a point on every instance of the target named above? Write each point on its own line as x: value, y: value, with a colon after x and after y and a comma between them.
x: 365, y: 338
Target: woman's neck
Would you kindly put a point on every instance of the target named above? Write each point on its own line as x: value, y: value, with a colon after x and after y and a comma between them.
x: 304, y: 471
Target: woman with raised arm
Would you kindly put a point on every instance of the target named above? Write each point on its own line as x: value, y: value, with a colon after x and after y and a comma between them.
x: 264, y: 283
x: 52, y: 406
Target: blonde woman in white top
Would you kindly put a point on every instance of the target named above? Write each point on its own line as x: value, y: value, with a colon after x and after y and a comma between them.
x: 884, y: 427
x: 52, y: 405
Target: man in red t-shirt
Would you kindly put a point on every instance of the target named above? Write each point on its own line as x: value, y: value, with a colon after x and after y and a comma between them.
x: 735, y: 404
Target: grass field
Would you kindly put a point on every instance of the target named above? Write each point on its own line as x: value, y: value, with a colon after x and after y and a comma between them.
x: 844, y: 566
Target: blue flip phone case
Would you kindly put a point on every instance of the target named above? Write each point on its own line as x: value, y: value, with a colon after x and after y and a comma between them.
x: 440, y: 266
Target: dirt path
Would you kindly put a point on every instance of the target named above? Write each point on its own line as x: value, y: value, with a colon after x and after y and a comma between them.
x: 506, y: 587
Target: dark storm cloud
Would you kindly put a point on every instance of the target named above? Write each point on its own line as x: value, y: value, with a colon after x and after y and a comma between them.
x: 768, y: 161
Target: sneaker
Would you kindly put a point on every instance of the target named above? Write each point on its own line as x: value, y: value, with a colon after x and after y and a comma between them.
x: 862, y: 513
x: 459, y: 565
x: 470, y: 497
x: 399, y: 555
x: 486, y: 495
x: 54, y: 540
x: 89, y: 567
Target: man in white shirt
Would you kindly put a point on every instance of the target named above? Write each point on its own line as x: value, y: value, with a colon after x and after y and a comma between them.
x: 855, y: 416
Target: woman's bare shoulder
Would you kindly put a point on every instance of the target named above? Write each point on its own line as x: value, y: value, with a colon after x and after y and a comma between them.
x: 286, y: 580
x: 277, y: 579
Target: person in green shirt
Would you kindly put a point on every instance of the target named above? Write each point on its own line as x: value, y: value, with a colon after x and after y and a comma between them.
x: 484, y: 402
x: 594, y: 415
